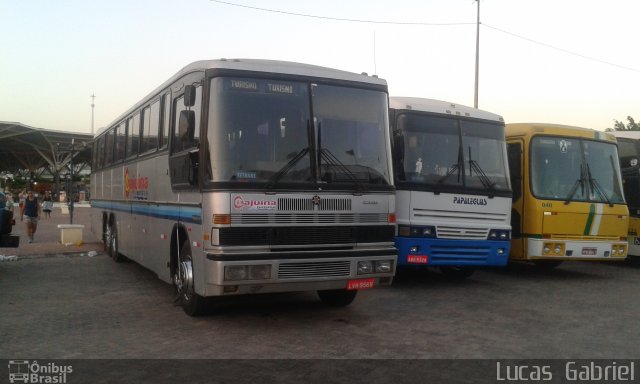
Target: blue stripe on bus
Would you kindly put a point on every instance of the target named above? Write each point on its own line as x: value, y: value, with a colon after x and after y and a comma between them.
x: 182, y: 213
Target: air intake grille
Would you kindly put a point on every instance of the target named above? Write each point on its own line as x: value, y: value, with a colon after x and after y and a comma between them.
x: 317, y: 269
x: 308, y: 218
x: 278, y: 236
x: 462, y: 233
x: 306, y: 204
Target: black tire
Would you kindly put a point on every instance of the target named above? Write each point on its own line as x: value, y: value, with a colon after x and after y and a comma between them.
x: 112, y: 236
x: 337, y: 297
x: 105, y: 235
x: 547, y: 264
x: 192, y: 303
x: 457, y: 272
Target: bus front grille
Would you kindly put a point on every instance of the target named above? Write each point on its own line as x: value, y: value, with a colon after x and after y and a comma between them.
x: 306, y: 204
x: 308, y: 218
x: 462, y: 233
x: 467, y: 216
x: 314, y: 270
x: 288, y: 236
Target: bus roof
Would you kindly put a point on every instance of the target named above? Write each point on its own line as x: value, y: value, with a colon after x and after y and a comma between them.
x: 441, y: 107
x: 255, y: 65
x: 627, y: 134
x: 528, y: 129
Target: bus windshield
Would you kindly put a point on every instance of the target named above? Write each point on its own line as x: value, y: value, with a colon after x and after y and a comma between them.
x: 443, y: 151
x: 569, y: 169
x: 261, y: 132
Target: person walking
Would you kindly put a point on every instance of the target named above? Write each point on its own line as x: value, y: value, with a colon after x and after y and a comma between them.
x: 47, y: 204
x: 30, y: 212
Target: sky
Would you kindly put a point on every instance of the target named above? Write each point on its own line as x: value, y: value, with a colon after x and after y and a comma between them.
x: 573, y: 62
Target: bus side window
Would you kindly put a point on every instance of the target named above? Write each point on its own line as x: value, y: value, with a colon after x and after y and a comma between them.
x: 514, y: 153
x: 166, y: 118
x: 133, y: 135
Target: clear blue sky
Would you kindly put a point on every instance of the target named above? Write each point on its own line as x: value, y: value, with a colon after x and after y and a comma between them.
x: 55, y: 54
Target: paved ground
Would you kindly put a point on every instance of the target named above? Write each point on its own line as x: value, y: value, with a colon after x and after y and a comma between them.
x: 47, y: 237
x: 72, y: 306
x: 57, y: 302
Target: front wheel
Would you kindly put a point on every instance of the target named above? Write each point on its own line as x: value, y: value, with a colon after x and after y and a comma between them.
x: 457, y: 272
x: 337, y: 297
x: 192, y: 303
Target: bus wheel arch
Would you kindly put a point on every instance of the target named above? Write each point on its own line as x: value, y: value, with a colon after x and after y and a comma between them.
x: 182, y: 274
x: 112, y: 240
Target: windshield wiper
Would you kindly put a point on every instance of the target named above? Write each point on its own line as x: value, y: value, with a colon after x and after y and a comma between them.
x: 455, y: 167
x: 333, y: 161
x: 484, y: 179
x: 286, y: 168
x: 595, y: 185
x: 574, y: 189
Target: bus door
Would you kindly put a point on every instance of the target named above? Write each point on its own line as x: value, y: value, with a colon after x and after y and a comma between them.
x: 516, y: 170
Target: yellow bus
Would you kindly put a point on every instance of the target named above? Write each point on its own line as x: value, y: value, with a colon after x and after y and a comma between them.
x: 629, y: 152
x: 568, y: 201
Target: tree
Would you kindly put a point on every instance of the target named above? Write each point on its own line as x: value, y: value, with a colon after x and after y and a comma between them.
x: 620, y: 126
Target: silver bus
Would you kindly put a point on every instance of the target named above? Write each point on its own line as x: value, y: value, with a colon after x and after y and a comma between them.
x: 251, y: 176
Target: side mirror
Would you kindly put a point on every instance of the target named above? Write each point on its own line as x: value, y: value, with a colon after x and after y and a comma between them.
x: 189, y: 96
x: 186, y: 129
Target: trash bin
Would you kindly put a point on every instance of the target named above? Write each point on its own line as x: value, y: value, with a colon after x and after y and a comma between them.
x: 71, y: 233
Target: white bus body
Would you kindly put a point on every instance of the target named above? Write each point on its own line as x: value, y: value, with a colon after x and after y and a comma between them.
x: 453, y: 199
x: 251, y: 176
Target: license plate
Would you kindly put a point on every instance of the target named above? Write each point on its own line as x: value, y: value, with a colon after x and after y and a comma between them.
x: 417, y: 259
x: 353, y: 285
x: 589, y: 251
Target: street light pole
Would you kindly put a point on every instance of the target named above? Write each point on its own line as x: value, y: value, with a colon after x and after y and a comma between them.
x: 475, y: 93
x: 70, y: 193
x: 93, y: 104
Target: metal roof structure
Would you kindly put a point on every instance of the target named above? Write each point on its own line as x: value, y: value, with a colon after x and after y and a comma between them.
x: 25, y: 148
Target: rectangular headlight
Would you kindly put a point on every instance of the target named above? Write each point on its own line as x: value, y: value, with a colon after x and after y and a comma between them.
x: 260, y: 272
x: 383, y: 266
x: 365, y: 267
x: 235, y: 272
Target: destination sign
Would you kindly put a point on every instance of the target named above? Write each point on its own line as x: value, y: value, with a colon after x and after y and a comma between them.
x: 262, y: 86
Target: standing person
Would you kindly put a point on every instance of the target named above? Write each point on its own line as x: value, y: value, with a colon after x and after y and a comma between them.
x: 21, y: 198
x: 10, y: 204
x: 30, y: 211
x: 47, y: 204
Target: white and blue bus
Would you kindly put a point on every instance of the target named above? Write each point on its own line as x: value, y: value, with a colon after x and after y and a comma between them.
x: 251, y: 176
x: 453, y: 198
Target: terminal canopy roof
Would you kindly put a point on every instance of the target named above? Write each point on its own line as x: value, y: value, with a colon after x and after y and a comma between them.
x: 28, y: 148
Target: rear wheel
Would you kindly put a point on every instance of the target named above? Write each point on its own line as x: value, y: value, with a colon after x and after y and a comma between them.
x: 458, y: 272
x: 192, y: 303
x: 112, y: 236
x: 337, y: 297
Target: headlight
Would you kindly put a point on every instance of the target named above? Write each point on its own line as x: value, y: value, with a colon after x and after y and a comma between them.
x: 546, y: 249
x: 499, y: 234
x: 365, y: 267
x: 383, y: 266
x: 235, y: 272
x: 260, y: 272
x: 417, y: 231
x: 557, y: 249
x: 247, y: 272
